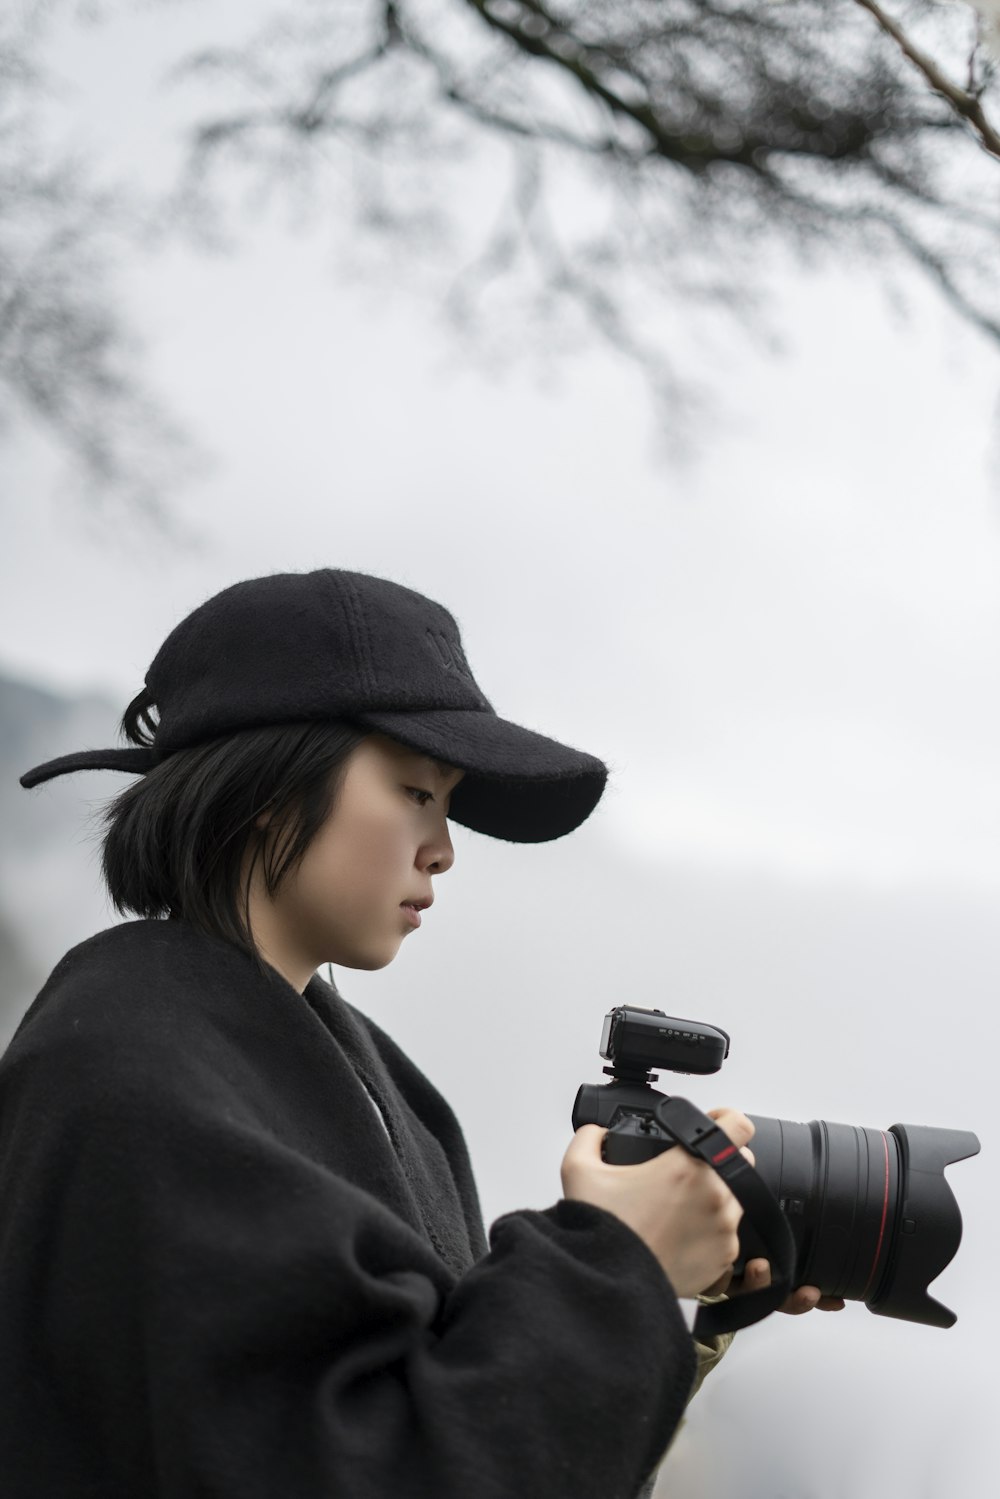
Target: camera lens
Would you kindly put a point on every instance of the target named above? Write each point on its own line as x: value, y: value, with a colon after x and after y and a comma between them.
x: 872, y: 1215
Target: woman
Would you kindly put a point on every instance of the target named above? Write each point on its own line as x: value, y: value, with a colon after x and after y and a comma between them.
x: 240, y: 1248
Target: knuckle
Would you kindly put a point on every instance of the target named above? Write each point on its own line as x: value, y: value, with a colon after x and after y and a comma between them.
x: 720, y: 1193
x: 683, y: 1167
x: 734, y: 1214
x: 735, y: 1124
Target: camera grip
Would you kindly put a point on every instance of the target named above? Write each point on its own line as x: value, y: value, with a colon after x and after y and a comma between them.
x: 702, y: 1137
x: 632, y: 1141
x: 634, y: 1138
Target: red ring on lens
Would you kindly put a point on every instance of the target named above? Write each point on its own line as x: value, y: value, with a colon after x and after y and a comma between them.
x: 885, y: 1214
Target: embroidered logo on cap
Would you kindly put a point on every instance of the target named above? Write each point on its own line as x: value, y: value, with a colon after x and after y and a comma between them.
x: 449, y: 655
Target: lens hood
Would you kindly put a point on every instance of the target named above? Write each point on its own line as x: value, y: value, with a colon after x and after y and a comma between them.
x: 928, y: 1227
x: 872, y: 1214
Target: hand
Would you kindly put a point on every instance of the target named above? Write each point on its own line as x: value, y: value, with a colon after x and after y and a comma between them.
x: 681, y: 1209
x: 757, y: 1275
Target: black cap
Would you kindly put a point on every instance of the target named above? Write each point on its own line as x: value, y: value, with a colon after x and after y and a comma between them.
x: 341, y: 646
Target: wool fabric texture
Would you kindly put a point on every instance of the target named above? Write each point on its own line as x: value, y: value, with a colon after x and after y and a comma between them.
x: 333, y: 645
x: 221, y: 1276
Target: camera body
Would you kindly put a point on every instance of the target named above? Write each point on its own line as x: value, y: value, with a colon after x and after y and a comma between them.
x: 635, y: 1042
x: 871, y: 1213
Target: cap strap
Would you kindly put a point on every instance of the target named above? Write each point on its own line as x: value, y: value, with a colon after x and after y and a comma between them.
x: 134, y: 761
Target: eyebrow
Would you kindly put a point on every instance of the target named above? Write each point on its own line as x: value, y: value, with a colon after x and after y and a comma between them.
x: 445, y: 772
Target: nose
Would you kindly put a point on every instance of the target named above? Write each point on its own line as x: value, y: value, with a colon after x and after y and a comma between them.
x: 438, y: 854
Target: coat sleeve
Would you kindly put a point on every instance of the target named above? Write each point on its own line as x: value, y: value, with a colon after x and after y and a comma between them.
x: 237, y: 1321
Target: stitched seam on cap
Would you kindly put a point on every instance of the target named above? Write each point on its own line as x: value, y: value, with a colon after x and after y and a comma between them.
x: 363, y: 642
x: 343, y: 599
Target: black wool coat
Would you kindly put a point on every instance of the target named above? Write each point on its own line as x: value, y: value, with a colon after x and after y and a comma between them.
x: 223, y: 1276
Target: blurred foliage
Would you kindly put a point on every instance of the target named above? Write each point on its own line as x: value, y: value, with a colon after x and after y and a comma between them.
x: 635, y: 160
x: 634, y: 168
x: 68, y: 358
x: 50, y: 893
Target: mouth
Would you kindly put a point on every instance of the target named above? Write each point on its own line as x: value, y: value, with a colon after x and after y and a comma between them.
x: 418, y: 905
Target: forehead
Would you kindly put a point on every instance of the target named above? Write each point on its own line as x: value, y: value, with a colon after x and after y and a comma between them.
x: 439, y: 769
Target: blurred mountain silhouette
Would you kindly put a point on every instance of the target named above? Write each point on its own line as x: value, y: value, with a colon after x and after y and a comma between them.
x: 50, y: 896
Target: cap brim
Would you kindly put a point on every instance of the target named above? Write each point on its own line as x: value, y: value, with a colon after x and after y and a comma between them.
x: 518, y: 785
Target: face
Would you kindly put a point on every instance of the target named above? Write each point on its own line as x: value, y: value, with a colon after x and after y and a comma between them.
x: 350, y: 899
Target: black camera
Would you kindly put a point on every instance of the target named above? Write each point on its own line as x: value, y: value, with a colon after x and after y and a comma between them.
x: 872, y: 1217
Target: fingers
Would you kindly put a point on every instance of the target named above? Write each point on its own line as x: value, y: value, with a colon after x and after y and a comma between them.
x: 803, y: 1299
x: 757, y: 1275
x: 584, y: 1150
x: 811, y: 1299
x: 734, y: 1124
x: 586, y: 1142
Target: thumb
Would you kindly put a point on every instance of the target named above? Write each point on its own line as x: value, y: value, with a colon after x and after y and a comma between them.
x: 584, y: 1149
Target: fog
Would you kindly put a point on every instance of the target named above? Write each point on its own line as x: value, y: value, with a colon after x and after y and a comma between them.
x: 845, y: 1002
x: 787, y: 649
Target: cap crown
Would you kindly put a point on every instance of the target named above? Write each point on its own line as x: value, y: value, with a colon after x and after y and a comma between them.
x: 307, y: 646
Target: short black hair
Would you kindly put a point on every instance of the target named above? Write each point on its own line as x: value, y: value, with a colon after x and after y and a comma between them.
x: 177, y: 840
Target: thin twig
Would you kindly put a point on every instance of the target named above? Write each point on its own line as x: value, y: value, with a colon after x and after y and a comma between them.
x: 964, y: 102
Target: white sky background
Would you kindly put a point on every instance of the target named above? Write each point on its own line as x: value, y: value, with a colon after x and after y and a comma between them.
x: 787, y: 649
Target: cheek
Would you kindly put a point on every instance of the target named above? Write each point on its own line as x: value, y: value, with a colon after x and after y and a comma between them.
x: 354, y: 862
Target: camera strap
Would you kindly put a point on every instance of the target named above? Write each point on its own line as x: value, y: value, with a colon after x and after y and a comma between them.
x: 702, y: 1137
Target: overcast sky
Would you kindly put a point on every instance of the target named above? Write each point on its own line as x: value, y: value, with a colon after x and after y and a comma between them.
x: 787, y: 648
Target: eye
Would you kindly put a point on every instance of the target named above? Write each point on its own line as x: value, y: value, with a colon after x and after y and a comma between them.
x: 420, y: 797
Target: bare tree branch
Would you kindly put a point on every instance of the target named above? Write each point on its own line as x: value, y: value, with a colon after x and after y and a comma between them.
x: 966, y: 102
x: 69, y: 362
x: 659, y: 150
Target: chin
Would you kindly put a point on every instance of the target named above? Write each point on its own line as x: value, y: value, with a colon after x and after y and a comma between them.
x: 366, y: 962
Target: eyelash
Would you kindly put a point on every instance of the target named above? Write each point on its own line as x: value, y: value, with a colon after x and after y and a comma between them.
x: 416, y: 792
